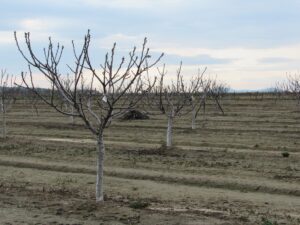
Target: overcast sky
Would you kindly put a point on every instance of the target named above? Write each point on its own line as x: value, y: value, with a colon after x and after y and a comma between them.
x: 248, y: 44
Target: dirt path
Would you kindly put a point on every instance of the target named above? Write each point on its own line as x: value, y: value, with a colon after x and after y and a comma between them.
x: 183, y: 147
x: 192, y: 204
x: 266, y: 190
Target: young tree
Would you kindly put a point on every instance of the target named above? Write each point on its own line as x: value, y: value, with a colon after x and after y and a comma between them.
x: 198, y: 100
x: 217, y: 91
x: 7, y: 97
x: 67, y: 83
x: 175, y: 99
x: 209, y: 88
x: 292, y: 86
x: 34, y: 100
x: 277, y: 92
x: 114, y: 89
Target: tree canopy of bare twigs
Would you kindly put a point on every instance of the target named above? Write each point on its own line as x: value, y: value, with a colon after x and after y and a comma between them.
x: 96, y: 95
x: 291, y: 86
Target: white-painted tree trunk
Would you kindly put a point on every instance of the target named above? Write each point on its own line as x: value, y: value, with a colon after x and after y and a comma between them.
x: 170, y: 130
x: 100, y: 166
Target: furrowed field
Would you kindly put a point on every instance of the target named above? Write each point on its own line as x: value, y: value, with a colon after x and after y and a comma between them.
x: 230, y: 170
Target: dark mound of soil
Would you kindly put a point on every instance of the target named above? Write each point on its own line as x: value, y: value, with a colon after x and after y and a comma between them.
x: 134, y: 115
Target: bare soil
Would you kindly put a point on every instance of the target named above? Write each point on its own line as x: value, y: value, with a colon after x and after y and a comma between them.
x: 230, y: 170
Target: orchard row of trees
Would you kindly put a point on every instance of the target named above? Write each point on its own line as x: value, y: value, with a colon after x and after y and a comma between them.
x: 291, y: 87
x: 97, y: 96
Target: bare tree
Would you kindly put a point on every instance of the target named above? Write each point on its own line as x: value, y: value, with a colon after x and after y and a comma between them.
x: 209, y: 88
x: 175, y: 99
x: 28, y: 98
x: 217, y: 91
x: 198, y: 100
x: 34, y: 105
x: 292, y: 86
x: 67, y: 83
x: 114, y: 89
x: 7, y: 97
x: 277, y: 92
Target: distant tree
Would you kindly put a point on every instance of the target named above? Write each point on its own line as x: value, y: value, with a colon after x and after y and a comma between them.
x: 34, y: 105
x: 114, y: 89
x: 67, y: 83
x: 175, y: 99
x: 7, y: 97
x: 277, y: 92
x: 27, y: 98
x: 217, y: 91
x: 292, y: 86
x: 208, y: 88
x: 198, y: 100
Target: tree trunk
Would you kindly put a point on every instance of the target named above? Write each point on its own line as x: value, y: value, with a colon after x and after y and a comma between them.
x: 219, y: 106
x: 169, y: 131
x: 100, y: 163
x: 194, y: 118
x: 35, y: 111
x: 72, y: 117
x: 3, y: 125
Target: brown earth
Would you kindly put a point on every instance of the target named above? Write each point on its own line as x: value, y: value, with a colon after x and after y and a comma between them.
x: 230, y: 170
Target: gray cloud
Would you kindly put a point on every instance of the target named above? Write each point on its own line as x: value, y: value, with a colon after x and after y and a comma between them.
x: 207, y: 23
